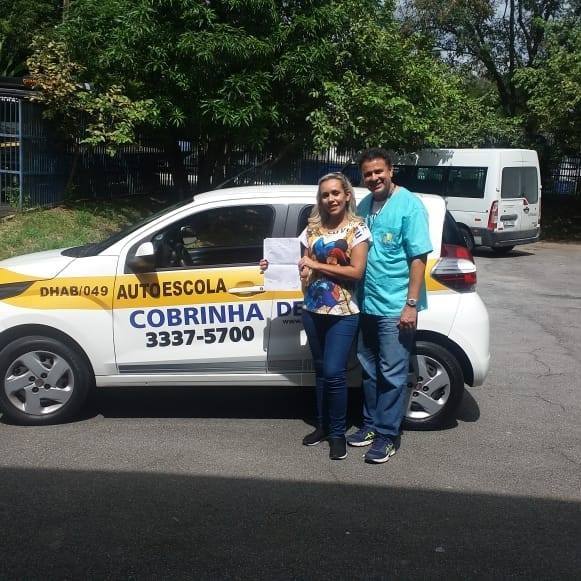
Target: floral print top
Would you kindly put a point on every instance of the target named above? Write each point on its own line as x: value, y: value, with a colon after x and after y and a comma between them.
x: 324, y: 294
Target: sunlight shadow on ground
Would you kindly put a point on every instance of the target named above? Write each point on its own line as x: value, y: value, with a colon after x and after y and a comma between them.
x: 78, y: 524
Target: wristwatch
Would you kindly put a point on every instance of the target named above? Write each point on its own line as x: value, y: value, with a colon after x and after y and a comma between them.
x: 411, y: 303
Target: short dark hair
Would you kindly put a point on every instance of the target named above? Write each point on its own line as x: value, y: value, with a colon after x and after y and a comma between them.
x: 375, y: 153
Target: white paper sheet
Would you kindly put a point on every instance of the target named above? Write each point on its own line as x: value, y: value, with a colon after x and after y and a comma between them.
x: 283, y: 255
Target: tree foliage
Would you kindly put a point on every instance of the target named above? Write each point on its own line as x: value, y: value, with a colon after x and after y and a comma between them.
x: 251, y: 73
x: 110, y: 116
x: 20, y: 22
x: 495, y: 37
x: 554, y: 88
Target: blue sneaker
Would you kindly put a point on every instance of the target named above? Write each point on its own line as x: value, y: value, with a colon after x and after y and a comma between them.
x: 362, y: 437
x: 381, y: 451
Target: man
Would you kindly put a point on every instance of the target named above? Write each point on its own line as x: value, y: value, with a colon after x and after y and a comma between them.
x: 391, y: 294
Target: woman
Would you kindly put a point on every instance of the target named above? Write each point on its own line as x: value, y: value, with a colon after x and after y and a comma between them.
x: 335, y: 253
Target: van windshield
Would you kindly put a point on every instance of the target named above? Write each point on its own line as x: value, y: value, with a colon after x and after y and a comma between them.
x: 453, y: 181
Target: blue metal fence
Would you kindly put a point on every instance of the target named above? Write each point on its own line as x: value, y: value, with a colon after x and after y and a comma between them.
x: 45, y: 163
x: 33, y: 167
x: 10, y: 151
x: 36, y: 167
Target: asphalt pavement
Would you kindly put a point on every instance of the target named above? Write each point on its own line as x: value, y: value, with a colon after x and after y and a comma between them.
x: 214, y: 484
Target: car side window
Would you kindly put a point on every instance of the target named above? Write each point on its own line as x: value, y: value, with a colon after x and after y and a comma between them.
x: 451, y: 233
x: 304, y: 218
x: 232, y: 235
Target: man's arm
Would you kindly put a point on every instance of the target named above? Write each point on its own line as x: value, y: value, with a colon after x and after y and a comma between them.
x: 409, y: 315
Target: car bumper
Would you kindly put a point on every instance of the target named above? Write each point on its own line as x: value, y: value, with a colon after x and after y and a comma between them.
x: 471, y: 332
x: 484, y: 237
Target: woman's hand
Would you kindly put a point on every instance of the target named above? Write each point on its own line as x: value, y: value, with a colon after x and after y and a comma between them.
x: 304, y: 273
x: 307, y: 262
x: 263, y: 264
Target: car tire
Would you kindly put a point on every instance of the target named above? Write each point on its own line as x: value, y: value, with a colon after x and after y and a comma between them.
x: 436, y: 387
x: 468, y: 238
x: 502, y: 250
x: 27, y: 366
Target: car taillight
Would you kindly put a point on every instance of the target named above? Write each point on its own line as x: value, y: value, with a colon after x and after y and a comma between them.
x: 456, y: 268
x: 493, y: 216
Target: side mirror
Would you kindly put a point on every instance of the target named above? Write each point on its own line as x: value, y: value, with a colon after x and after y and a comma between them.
x: 144, y: 258
x: 187, y: 235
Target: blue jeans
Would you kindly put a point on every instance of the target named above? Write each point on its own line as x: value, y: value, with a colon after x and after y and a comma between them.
x: 330, y: 339
x: 384, y: 353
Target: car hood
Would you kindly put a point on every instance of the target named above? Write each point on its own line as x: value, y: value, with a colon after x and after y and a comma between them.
x: 36, y: 266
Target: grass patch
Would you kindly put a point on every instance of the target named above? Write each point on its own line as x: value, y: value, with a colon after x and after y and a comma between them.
x: 87, y: 221
x: 71, y: 225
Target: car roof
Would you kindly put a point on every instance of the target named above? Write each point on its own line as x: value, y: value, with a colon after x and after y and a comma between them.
x: 302, y: 195
x: 285, y: 195
x: 289, y: 194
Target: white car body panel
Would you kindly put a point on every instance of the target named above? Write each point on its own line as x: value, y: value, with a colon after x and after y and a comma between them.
x: 41, y: 265
x: 112, y: 328
x: 471, y: 331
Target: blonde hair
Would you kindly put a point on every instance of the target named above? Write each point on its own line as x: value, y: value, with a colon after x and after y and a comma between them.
x: 318, y: 215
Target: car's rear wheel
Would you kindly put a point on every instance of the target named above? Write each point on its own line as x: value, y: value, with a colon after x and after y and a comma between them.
x: 502, y: 250
x: 467, y: 235
x: 436, y: 386
x: 44, y: 381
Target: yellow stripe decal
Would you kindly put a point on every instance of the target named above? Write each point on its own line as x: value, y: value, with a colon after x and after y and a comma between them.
x: 9, y: 276
x: 171, y: 288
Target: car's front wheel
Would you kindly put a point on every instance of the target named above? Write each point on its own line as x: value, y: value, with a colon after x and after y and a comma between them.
x: 44, y: 381
x: 436, y: 386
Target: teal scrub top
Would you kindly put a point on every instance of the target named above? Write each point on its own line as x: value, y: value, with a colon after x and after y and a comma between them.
x: 400, y: 232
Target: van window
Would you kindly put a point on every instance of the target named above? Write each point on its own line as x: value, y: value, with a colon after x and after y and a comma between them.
x: 421, y: 179
x: 460, y: 182
x: 530, y: 184
x: 430, y: 180
x: 467, y: 182
x: 520, y: 182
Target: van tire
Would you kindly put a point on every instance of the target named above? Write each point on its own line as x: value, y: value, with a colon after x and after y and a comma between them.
x: 502, y: 250
x: 467, y: 235
x: 445, y: 379
x: 27, y: 365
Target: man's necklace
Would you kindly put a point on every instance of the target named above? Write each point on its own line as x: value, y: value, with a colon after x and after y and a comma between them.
x: 377, y: 206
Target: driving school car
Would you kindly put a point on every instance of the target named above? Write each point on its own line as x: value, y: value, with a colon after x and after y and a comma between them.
x: 178, y: 299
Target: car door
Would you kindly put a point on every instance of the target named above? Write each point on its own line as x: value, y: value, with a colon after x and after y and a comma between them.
x: 202, y: 309
x: 288, y: 348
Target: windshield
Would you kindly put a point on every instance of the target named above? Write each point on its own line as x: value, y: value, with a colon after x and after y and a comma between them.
x: 95, y: 248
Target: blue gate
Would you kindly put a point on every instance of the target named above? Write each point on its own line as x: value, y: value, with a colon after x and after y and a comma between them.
x: 33, y: 166
x: 10, y: 152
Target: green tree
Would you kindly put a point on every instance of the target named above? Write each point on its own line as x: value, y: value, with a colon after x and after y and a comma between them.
x: 494, y: 38
x: 251, y: 73
x: 20, y: 21
x: 554, y: 87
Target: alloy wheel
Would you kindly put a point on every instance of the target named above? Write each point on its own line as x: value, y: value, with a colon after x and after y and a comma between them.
x: 39, y: 382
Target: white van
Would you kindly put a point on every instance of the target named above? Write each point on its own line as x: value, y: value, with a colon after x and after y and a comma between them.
x: 493, y: 194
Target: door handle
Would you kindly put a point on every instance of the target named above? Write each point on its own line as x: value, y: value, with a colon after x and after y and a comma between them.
x: 526, y: 209
x: 246, y: 290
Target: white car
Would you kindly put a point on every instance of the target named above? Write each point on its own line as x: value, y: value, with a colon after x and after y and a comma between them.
x: 178, y: 299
